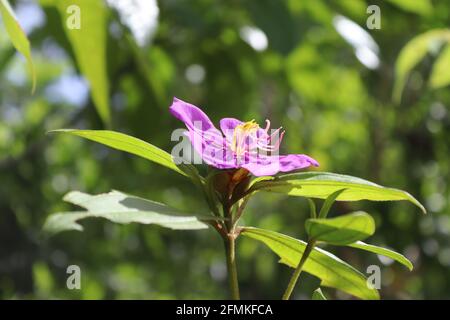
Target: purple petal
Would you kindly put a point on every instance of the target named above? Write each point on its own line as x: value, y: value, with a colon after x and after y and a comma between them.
x: 191, y: 115
x: 213, y: 154
x: 207, y: 140
x: 268, y: 166
x: 227, y: 126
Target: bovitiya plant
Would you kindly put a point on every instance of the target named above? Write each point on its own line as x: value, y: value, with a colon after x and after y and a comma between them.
x: 242, y: 160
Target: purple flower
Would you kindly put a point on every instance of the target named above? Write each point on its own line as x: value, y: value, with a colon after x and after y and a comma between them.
x: 237, y: 144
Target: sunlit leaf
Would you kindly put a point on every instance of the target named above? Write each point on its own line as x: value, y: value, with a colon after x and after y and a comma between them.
x: 318, y: 295
x: 18, y: 37
x: 128, y: 144
x: 323, y: 184
x: 341, y: 230
x: 89, y: 45
x: 413, y: 52
x: 120, y: 208
x: 440, y: 75
x: 384, y: 252
x: 332, y: 271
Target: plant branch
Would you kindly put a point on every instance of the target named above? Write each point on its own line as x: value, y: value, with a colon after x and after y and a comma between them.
x: 230, y: 249
x: 293, y: 281
x: 231, y: 266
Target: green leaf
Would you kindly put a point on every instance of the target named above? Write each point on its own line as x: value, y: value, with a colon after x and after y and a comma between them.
x: 89, y: 46
x: 341, y: 230
x: 422, y: 7
x: 318, y: 295
x: 322, y: 184
x: 328, y: 203
x: 120, y: 208
x: 413, y: 52
x: 440, y: 75
x: 332, y: 271
x: 312, y: 208
x: 18, y: 37
x: 384, y: 252
x: 128, y: 144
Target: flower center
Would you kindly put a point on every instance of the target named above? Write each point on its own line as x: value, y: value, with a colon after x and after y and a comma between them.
x: 248, y: 137
x: 240, y: 135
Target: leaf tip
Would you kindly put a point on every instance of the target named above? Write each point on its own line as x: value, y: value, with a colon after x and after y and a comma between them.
x: 59, y: 131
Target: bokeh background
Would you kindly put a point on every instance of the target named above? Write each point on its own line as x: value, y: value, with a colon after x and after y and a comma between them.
x: 311, y: 66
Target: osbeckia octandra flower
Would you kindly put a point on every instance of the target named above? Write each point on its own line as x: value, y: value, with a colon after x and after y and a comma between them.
x: 237, y: 144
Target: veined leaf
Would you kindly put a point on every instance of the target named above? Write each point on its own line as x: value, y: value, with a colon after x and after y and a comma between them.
x: 128, y: 144
x: 89, y: 45
x: 318, y: 295
x: 120, y: 208
x: 342, y: 230
x: 333, y: 272
x: 384, y: 252
x: 18, y: 37
x: 322, y: 184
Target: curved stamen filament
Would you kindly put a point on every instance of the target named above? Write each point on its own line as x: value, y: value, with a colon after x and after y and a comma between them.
x: 246, y: 138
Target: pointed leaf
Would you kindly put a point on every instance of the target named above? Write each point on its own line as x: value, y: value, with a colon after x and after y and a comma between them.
x: 128, y: 144
x: 384, y: 252
x: 333, y: 272
x: 341, y: 230
x: 322, y: 184
x: 18, y: 37
x: 318, y: 295
x: 328, y: 203
x: 120, y: 208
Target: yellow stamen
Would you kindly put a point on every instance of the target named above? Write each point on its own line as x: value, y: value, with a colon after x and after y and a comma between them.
x: 241, y: 132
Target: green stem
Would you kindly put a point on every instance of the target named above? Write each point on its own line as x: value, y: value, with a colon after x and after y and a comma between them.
x: 231, y: 266
x: 309, y: 247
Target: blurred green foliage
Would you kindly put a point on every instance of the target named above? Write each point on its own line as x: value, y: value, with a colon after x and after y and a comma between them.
x: 308, y: 79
